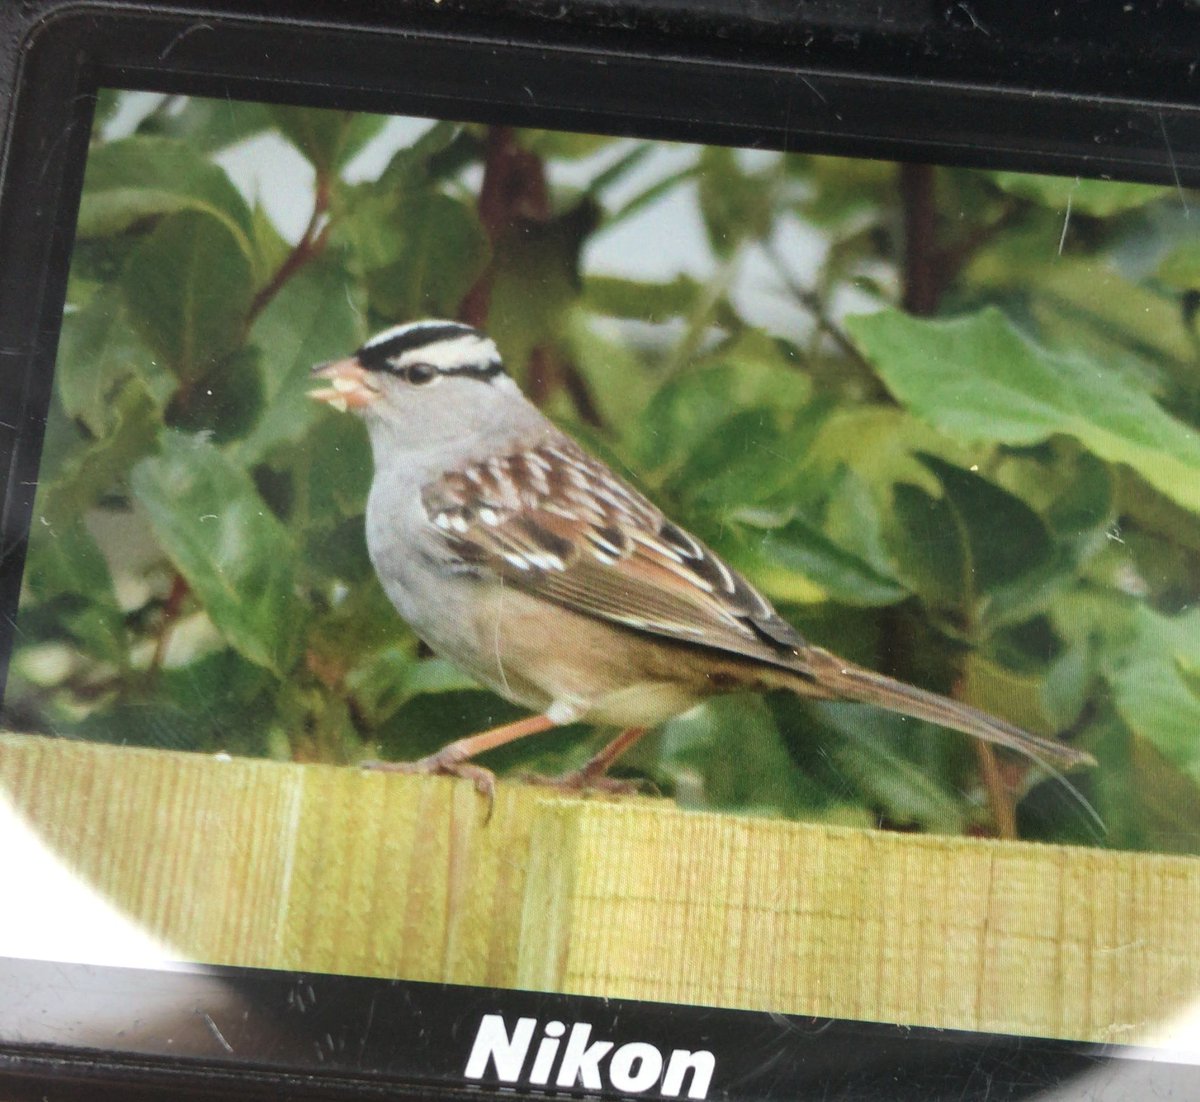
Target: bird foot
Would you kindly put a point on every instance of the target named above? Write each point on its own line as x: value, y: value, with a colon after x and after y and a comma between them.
x: 444, y: 765
x: 581, y: 781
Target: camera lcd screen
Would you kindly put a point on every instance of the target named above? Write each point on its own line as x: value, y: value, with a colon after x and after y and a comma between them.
x: 933, y: 423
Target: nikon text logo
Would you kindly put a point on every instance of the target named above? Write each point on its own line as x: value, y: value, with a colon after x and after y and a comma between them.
x: 633, y: 1068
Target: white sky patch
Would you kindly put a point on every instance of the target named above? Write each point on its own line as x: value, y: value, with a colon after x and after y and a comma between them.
x: 269, y: 170
x: 132, y: 108
x: 663, y: 239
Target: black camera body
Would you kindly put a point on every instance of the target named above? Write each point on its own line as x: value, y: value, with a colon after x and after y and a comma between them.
x: 124, y: 240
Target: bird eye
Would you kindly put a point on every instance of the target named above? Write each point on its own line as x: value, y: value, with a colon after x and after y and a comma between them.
x: 420, y: 374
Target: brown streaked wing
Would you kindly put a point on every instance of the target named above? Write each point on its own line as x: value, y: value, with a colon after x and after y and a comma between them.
x: 557, y: 523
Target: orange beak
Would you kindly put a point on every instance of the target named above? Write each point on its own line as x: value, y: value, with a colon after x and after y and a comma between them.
x: 350, y: 385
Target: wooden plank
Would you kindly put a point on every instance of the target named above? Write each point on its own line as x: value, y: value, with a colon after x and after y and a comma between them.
x: 286, y: 866
x: 656, y: 903
x: 329, y: 869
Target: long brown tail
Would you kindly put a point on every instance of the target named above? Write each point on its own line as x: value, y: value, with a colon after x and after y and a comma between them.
x: 826, y: 675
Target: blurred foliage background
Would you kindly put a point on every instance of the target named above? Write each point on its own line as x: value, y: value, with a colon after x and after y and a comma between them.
x: 946, y: 419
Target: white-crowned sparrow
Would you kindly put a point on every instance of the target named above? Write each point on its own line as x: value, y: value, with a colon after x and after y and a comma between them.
x: 529, y: 564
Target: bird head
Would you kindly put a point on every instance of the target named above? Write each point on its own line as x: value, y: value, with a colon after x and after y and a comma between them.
x: 421, y: 384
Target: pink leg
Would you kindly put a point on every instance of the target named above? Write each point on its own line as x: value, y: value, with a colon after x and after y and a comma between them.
x: 452, y: 760
x: 592, y: 774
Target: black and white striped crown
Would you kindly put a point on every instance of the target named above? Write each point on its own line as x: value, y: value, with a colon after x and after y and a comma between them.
x: 449, y: 347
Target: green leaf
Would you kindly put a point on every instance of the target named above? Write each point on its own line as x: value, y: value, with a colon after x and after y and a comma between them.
x: 751, y: 378
x: 1069, y: 679
x: 879, y: 443
x: 219, y: 702
x: 100, y: 467
x: 1070, y: 489
x: 1181, y: 267
x: 766, y: 371
x: 1189, y: 670
x: 1146, y: 658
x: 335, y: 548
x: 854, y: 520
x: 364, y: 224
x: 97, y: 350
x: 188, y: 288
x: 1167, y: 802
x: 562, y: 144
x: 434, y: 675
x: 904, y: 789
x: 1144, y: 802
x: 1016, y: 695
x: 978, y: 378
x: 978, y: 552
x: 226, y: 401
x: 426, y: 722
x: 641, y: 299
x: 65, y: 565
x: 886, y: 761
x: 844, y: 195
x: 782, y: 559
x: 683, y: 413
x: 328, y: 139
x: 696, y: 760
x: 616, y: 170
x: 271, y: 251
x: 208, y: 125
x: 930, y: 549
x: 535, y: 280
x: 96, y: 261
x: 440, y: 153
x: 237, y: 558
x: 638, y: 202
x: 331, y: 470
x: 67, y: 561
x: 1074, y: 494
x: 618, y: 377
x: 1099, y: 198
x: 130, y: 181
x: 1004, y: 537
x: 749, y: 460
x: 1153, y: 691
x: 425, y: 262
x: 358, y: 641
x: 736, y: 205
x: 313, y: 318
x: 160, y: 725
x: 1094, y: 309
x: 231, y: 697
x: 390, y: 677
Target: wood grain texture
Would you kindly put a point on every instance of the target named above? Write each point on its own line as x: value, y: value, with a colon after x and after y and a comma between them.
x: 655, y: 903
x: 285, y: 866
x: 329, y: 869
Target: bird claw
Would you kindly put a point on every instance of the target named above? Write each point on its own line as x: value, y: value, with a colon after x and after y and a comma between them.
x: 581, y: 781
x: 443, y: 765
